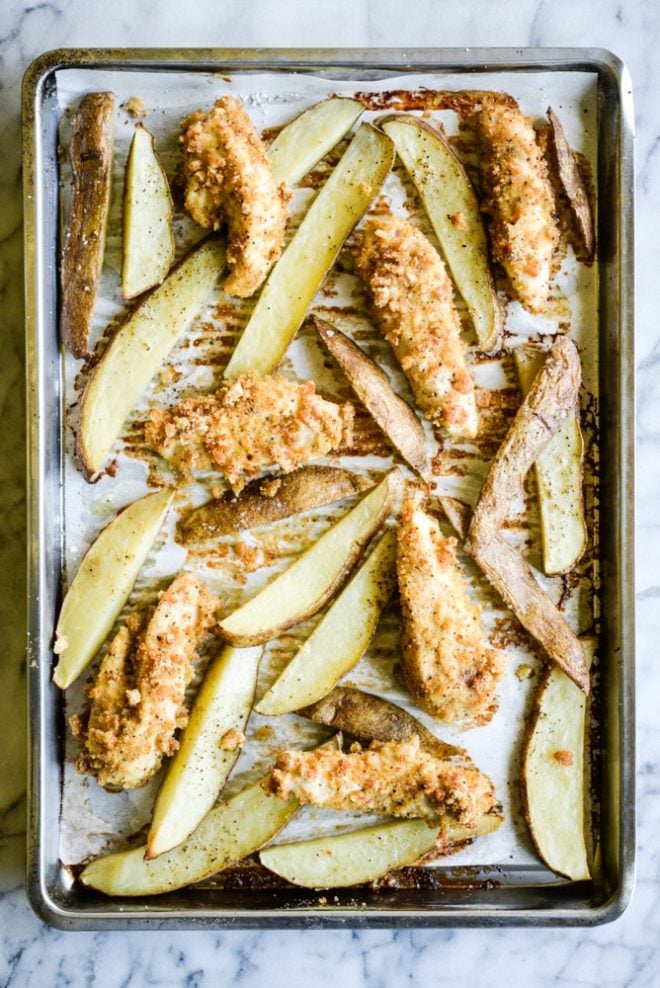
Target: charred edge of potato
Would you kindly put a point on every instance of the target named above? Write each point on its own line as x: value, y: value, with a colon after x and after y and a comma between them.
x: 391, y: 413
x: 574, y: 188
x: 368, y: 717
x: 269, y: 499
x: 84, y: 237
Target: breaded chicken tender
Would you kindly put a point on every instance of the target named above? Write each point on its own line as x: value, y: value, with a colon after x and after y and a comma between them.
x: 412, y: 303
x: 446, y: 664
x: 391, y: 778
x: 251, y: 423
x: 229, y: 180
x: 138, y: 696
x: 519, y: 202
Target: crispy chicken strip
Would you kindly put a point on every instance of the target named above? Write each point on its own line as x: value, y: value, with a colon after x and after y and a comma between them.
x: 446, y: 664
x: 138, y: 696
x: 229, y: 179
x: 519, y: 201
x: 412, y: 303
x: 251, y: 423
x: 513, y: 579
x: 395, y: 778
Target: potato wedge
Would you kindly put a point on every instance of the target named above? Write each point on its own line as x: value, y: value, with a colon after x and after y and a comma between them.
x: 268, y: 499
x: 513, y: 579
x: 368, y: 718
x: 340, y: 639
x: 102, y: 584
x: 553, y: 773
x: 230, y: 831
x: 308, y: 138
x: 363, y: 855
x: 209, y: 747
x: 138, y: 350
x: 84, y: 237
x: 297, y: 276
x: 312, y: 579
x: 452, y: 206
x: 558, y: 472
x: 391, y: 413
x: 573, y: 188
x: 148, y: 241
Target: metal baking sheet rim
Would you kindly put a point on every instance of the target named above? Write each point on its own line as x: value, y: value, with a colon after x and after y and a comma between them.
x: 501, y: 904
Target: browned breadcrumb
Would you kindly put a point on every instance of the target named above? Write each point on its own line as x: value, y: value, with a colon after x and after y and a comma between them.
x: 135, y: 106
x: 412, y: 303
x: 392, y: 778
x: 249, y: 424
x: 230, y: 181
x: 445, y: 661
x: 524, y: 671
x: 519, y: 202
x: 138, y: 695
x: 232, y: 739
x: 563, y: 757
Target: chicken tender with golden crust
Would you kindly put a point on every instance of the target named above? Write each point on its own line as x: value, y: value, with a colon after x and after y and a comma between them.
x: 391, y: 778
x: 229, y: 180
x: 519, y: 202
x: 138, y: 696
x: 251, y: 423
x: 412, y: 303
x: 446, y: 664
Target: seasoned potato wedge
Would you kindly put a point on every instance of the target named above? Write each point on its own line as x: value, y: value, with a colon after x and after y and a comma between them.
x: 268, y: 499
x: 371, y: 718
x: 84, y: 237
x: 102, y: 584
x: 340, y: 639
x: 303, y: 142
x: 312, y: 579
x: 573, y: 188
x: 297, y: 276
x: 452, y: 206
x: 148, y: 241
x: 209, y: 747
x: 553, y: 773
x: 363, y: 855
x: 138, y: 350
x: 558, y: 472
x: 392, y: 414
x: 230, y: 831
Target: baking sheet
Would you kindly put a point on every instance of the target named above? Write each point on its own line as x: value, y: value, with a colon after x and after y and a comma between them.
x: 272, y: 99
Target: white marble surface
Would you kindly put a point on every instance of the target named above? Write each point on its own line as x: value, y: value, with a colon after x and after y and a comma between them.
x: 624, y: 953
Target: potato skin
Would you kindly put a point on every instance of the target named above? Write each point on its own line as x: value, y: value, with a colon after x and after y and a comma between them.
x: 573, y: 187
x: 84, y: 237
x: 268, y: 499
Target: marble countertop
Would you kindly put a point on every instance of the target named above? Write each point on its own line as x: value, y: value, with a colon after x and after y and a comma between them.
x: 627, y: 952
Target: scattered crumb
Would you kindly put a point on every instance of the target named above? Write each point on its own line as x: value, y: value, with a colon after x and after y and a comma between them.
x: 232, y: 739
x: 459, y: 221
x: 133, y: 697
x: 251, y: 556
x: 135, y: 106
x: 217, y: 491
x: 323, y: 901
x: 61, y: 644
x: 269, y: 488
x: 264, y: 733
x: 524, y: 671
x: 563, y: 757
x: 169, y: 375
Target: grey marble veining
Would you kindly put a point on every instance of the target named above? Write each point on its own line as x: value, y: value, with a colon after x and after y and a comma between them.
x: 625, y: 953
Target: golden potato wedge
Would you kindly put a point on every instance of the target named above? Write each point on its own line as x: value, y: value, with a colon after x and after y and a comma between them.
x: 574, y: 189
x: 312, y: 579
x: 148, y: 241
x: 452, y: 206
x: 138, y: 350
x: 308, y: 138
x: 229, y: 832
x: 102, y: 584
x: 391, y: 413
x: 553, y: 773
x: 84, y: 236
x: 268, y: 499
x: 363, y: 855
x: 209, y: 747
x: 340, y: 639
x: 299, y: 273
x: 368, y: 718
x: 559, y: 475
